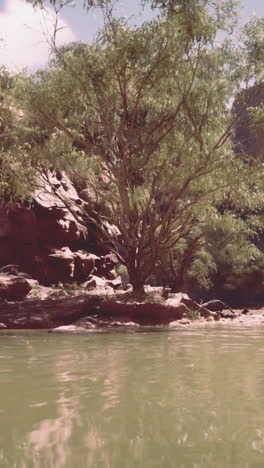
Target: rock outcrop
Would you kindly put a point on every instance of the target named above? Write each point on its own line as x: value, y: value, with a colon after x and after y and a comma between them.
x: 13, y: 288
x: 54, y: 239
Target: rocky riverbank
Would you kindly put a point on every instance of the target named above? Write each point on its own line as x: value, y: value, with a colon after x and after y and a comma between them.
x: 81, y: 309
x: 254, y: 318
x: 250, y: 321
x: 28, y: 305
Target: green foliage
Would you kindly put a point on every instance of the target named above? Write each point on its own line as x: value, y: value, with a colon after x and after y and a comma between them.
x: 15, y: 166
x: 192, y: 314
x: 256, y: 126
x: 253, y: 41
x: 15, y: 180
x: 71, y: 287
x: 142, y: 115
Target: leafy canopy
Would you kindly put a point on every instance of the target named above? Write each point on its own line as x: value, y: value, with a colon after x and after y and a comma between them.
x: 142, y: 115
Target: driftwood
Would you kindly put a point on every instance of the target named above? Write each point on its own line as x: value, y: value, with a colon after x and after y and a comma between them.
x: 216, y: 306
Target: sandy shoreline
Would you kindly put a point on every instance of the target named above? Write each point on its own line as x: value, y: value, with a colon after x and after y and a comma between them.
x: 255, y: 318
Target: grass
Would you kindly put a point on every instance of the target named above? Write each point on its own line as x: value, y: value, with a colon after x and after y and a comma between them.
x: 192, y: 314
x: 71, y: 287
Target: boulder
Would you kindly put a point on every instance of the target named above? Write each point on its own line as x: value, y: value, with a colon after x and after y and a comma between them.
x: 116, y: 283
x: 52, y: 266
x: 84, y: 265
x: 111, y: 275
x: 95, y: 283
x: 57, y: 208
x: 105, y: 264
x: 56, y: 227
x: 13, y: 288
x: 60, y: 266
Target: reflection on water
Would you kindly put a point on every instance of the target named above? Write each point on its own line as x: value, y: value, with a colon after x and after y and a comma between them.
x: 188, y: 398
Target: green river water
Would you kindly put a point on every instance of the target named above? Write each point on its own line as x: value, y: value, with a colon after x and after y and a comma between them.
x: 179, y: 398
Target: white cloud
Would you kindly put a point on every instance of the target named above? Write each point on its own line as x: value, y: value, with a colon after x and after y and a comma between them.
x: 24, y: 31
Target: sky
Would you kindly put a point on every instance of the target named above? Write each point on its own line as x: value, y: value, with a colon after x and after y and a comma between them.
x: 24, y: 31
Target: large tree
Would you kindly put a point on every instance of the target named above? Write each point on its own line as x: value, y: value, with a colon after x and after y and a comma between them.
x: 144, y: 113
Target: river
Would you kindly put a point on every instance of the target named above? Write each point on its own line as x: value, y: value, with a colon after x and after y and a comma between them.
x: 178, y: 398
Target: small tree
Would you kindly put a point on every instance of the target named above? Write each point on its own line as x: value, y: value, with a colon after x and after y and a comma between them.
x: 144, y: 112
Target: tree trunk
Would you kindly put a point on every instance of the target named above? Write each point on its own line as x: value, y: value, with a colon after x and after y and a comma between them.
x: 136, y: 280
x: 138, y: 285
